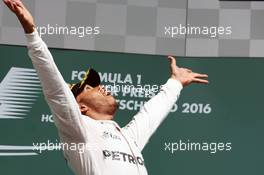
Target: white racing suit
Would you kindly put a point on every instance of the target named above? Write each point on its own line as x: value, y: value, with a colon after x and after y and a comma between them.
x: 107, y: 148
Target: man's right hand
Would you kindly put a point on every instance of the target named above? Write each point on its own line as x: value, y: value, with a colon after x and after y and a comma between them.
x: 24, y: 16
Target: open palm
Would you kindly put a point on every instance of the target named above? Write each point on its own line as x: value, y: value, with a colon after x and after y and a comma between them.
x: 184, y: 75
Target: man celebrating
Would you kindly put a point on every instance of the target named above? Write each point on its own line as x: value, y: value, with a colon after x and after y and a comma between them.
x: 84, y: 112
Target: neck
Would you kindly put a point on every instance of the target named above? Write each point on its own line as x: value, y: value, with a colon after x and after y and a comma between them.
x: 99, y: 116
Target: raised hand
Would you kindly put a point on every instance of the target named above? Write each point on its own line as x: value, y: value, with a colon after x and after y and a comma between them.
x: 24, y: 16
x: 185, y: 76
x: 15, y: 6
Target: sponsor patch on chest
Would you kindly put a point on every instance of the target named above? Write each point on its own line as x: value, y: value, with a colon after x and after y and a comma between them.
x: 123, y: 157
x: 109, y: 135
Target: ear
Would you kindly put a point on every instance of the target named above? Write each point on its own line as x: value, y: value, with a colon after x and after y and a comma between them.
x: 83, y: 108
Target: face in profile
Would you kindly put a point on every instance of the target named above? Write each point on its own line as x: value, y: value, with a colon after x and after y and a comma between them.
x: 97, y: 99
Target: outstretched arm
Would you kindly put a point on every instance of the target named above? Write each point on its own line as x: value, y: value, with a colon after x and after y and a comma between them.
x: 147, y: 120
x: 61, y: 101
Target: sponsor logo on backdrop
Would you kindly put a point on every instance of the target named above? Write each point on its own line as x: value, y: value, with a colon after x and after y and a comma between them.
x: 10, y: 150
x: 34, y: 150
x: 19, y: 90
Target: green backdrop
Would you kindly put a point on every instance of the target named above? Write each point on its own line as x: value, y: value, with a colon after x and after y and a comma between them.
x: 228, y: 111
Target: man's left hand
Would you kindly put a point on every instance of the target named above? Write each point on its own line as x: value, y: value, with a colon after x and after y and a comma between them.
x: 184, y: 75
